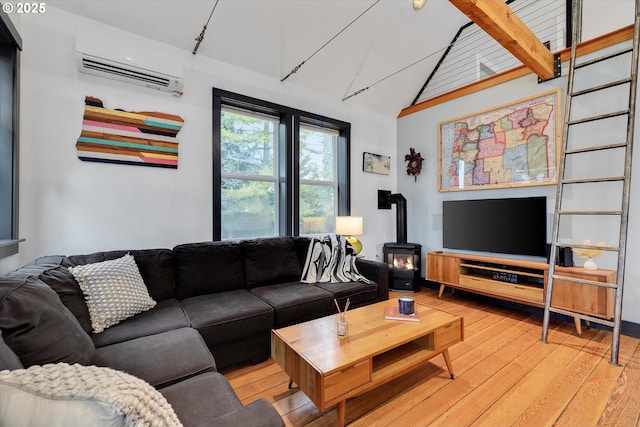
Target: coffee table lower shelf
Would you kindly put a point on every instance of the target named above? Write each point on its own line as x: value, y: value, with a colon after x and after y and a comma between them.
x: 330, y: 370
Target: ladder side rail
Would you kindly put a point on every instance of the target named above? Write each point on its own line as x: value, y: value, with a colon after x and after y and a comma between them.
x: 575, y: 33
x: 626, y: 191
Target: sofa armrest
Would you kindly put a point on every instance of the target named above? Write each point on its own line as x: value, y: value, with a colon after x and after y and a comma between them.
x: 377, y: 272
x: 257, y: 414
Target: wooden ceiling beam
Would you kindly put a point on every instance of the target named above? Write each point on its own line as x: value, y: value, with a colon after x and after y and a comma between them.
x: 498, y: 20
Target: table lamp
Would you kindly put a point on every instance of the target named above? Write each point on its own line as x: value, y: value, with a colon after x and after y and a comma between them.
x: 350, y: 226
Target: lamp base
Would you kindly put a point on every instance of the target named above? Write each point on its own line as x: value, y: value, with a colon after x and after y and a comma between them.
x: 355, y: 243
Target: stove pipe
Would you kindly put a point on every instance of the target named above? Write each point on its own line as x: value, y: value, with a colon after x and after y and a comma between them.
x: 401, y: 217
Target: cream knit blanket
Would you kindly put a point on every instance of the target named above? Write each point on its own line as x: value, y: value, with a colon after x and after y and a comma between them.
x: 136, y: 400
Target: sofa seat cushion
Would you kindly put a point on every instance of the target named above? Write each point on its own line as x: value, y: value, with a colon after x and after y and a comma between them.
x: 165, y: 316
x: 259, y: 413
x: 359, y: 293
x: 37, y: 327
x: 208, y: 267
x: 227, y: 316
x: 209, y: 400
x: 202, y: 398
x: 272, y: 260
x: 296, y: 302
x: 159, y: 359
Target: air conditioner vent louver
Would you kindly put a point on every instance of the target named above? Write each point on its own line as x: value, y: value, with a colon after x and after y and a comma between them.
x: 129, y: 73
x: 106, y: 68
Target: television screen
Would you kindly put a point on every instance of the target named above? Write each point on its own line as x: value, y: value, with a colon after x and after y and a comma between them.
x: 515, y: 226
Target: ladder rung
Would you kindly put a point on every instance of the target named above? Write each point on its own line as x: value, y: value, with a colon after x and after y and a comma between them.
x: 585, y: 282
x: 583, y: 246
x: 596, y: 148
x: 590, y: 212
x: 582, y: 316
x: 602, y: 86
x: 592, y: 180
x: 602, y: 58
x: 600, y: 117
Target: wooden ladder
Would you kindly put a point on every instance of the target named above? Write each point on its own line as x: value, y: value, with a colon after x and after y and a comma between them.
x: 620, y: 181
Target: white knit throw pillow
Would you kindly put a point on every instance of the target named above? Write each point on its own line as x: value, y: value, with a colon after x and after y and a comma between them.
x: 73, y: 395
x: 114, y: 291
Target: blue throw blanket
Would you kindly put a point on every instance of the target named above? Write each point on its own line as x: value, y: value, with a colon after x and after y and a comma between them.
x: 331, y: 259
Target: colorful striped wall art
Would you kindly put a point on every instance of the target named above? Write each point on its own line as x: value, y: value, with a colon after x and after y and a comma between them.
x: 133, y: 138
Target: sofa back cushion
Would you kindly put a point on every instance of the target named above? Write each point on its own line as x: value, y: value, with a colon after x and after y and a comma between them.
x: 302, y: 247
x: 270, y: 260
x: 157, y: 268
x: 37, y: 327
x: 208, y: 267
x: 54, y: 271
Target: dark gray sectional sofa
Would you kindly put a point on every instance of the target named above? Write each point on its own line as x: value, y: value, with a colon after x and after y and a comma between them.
x: 217, y: 303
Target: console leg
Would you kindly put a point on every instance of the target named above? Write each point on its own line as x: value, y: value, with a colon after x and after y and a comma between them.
x: 441, y: 291
x: 576, y: 320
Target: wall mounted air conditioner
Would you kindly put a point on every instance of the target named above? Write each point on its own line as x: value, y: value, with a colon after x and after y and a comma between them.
x: 127, y: 72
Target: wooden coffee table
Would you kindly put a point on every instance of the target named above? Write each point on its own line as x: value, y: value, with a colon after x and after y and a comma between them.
x: 330, y: 370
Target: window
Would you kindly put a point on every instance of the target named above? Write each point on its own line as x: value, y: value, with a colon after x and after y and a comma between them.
x: 10, y: 43
x: 248, y: 169
x: 318, y: 183
x: 276, y: 170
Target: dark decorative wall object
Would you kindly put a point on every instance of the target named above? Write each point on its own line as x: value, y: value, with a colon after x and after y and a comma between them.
x: 415, y: 163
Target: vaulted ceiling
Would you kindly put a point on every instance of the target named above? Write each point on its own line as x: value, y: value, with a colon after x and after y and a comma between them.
x: 374, y: 53
x: 391, y: 48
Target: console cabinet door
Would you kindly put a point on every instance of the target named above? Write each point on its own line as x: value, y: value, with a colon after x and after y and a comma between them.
x: 442, y: 268
x: 585, y: 299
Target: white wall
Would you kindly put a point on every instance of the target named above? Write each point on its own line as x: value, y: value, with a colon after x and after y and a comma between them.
x: 420, y: 130
x: 68, y: 206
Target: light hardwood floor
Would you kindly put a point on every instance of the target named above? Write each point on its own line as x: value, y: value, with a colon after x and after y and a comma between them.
x: 504, y: 376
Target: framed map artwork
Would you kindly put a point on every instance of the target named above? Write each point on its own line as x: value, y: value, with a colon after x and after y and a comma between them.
x: 506, y: 146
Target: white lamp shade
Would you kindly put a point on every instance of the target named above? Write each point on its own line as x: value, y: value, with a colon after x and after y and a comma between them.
x: 349, y: 225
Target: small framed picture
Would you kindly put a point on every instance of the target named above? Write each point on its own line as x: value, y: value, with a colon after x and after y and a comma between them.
x: 376, y: 163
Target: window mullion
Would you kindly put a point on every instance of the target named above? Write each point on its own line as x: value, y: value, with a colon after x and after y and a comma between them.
x: 217, y: 167
x: 285, y: 190
x: 294, y: 218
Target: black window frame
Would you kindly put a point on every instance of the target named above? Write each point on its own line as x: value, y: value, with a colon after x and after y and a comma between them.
x: 289, y: 173
x: 10, y: 47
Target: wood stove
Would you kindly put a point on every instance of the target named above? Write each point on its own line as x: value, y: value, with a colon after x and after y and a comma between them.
x: 403, y: 259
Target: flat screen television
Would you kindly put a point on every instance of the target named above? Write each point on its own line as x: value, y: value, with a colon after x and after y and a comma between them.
x: 516, y: 226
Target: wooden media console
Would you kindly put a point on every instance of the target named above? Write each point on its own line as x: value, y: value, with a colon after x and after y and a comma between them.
x: 523, y: 282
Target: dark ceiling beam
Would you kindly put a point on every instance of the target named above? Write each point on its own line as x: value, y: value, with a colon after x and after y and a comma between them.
x: 500, y: 22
